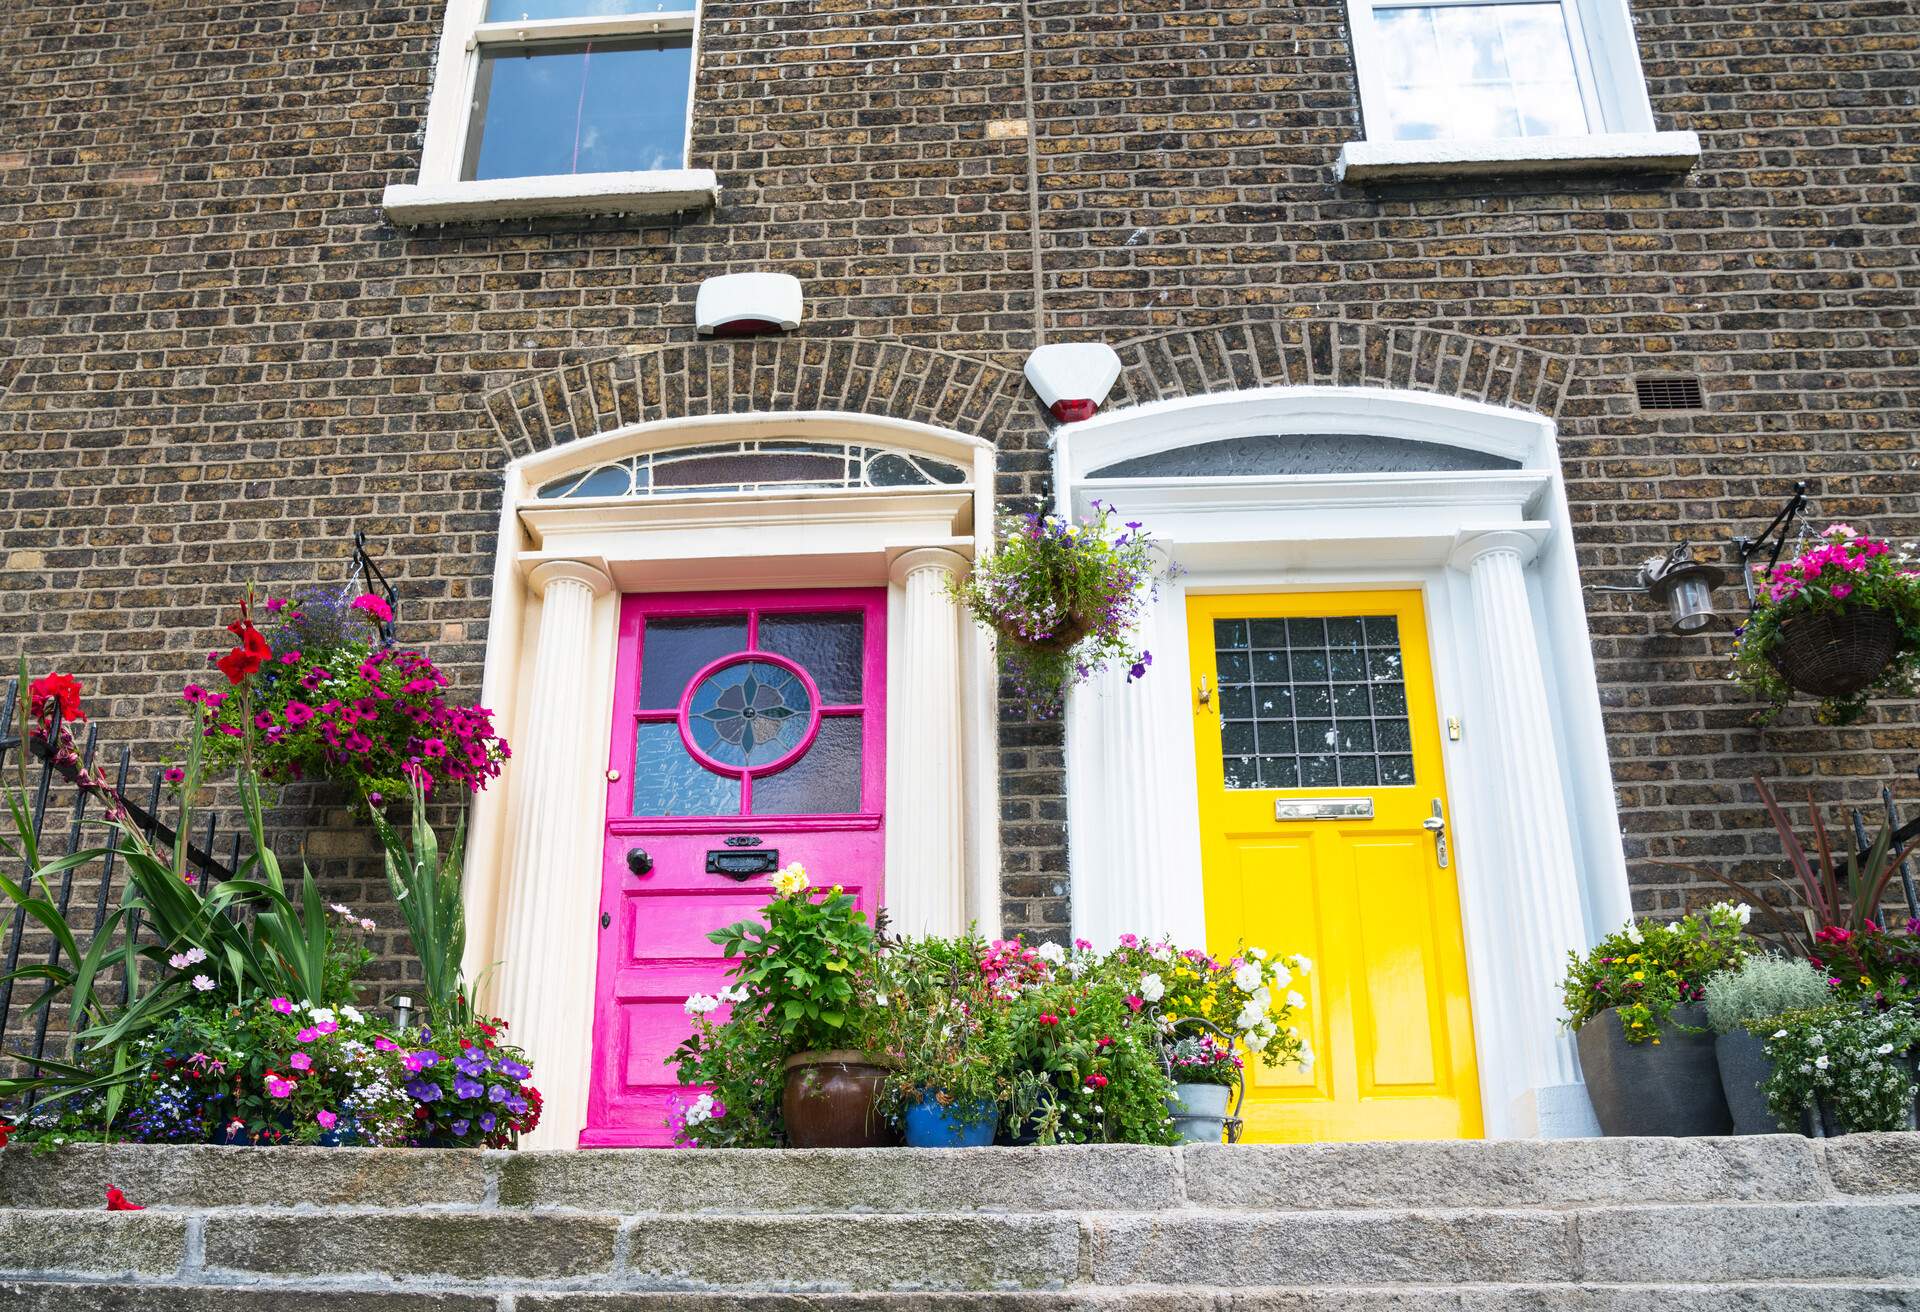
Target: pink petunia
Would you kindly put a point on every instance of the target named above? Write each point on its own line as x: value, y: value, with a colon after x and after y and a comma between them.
x: 373, y: 606
x: 326, y: 1120
x: 300, y: 1061
x: 282, y: 1005
x: 307, y: 1035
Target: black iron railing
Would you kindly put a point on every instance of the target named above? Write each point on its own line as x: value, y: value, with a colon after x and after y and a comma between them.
x: 55, y: 753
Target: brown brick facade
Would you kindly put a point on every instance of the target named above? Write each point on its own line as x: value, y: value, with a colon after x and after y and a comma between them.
x: 219, y: 359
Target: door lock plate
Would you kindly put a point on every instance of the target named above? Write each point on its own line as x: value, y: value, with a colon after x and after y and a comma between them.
x: 1325, y: 808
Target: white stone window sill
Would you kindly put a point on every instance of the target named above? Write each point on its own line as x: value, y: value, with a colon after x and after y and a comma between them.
x: 659, y: 191
x: 1625, y: 152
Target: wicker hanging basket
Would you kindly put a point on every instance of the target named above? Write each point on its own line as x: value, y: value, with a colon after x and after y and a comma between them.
x: 1836, y: 654
x: 1071, y: 631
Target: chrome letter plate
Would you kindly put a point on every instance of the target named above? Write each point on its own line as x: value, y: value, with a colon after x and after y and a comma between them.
x: 1325, y: 808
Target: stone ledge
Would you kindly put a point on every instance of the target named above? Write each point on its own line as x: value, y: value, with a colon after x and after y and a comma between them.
x: 1613, y: 152
x: 175, y: 1175
x: 660, y: 191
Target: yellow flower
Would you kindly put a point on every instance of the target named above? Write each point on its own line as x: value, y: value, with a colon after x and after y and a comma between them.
x: 1639, y: 974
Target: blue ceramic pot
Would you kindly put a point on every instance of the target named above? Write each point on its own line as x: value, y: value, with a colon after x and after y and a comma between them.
x: 963, y: 1125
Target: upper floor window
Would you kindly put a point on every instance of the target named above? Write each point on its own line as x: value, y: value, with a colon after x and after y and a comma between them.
x: 1491, y: 68
x: 1487, y: 86
x: 567, y: 105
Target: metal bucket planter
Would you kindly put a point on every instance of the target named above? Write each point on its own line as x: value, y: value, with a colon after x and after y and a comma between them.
x: 1200, y: 1111
x: 1835, y: 654
x: 1669, y: 1089
x: 1744, y: 1068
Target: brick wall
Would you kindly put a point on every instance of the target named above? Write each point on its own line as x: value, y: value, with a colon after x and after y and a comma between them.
x: 219, y: 359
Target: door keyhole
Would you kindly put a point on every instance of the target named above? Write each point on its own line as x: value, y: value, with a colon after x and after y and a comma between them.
x: 606, y: 919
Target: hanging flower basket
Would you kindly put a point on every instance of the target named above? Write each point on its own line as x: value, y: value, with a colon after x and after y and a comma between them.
x: 1837, y: 653
x: 1064, y: 601
x: 1841, y: 622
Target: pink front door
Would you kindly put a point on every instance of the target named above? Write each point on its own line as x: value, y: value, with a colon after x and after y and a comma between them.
x: 748, y: 732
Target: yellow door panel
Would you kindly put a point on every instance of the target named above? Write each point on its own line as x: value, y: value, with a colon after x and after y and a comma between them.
x: 1326, y: 699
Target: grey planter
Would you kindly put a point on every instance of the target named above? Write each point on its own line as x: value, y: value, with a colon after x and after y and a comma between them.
x: 1744, y: 1069
x: 1671, y: 1089
x: 1199, y: 1111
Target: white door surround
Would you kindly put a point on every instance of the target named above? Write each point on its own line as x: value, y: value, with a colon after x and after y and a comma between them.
x: 533, y: 864
x: 1491, y: 549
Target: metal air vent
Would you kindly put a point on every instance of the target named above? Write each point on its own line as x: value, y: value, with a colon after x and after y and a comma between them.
x: 1670, y: 392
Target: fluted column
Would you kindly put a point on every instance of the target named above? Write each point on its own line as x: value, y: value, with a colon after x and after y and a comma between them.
x: 926, y: 832
x: 548, y: 944
x: 1133, y: 835
x: 1542, y: 892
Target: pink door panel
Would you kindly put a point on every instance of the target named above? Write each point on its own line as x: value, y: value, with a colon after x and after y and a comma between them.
x: 748, y: 733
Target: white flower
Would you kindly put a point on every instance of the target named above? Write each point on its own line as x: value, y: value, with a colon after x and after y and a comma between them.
x: 1780, y: 1034
x: 1295, y: 1001
x: 701, y: 1111
x: 1264, y: 996
x: 1281, y: 976
x: 351, y: 1015
x: 791, y: 880
x: 178, y: 960
x: 1820, y: 1062
x: 1632, y: 932
x: 735, y: 995
x: 322, y: 1015
x: 1152, y: 987
x: 340, y: 910
x: 1051, y: 953
x: 202, y: 983
x: 700, y: 1004
x: 879, y: 999
x: 1743, y: 913
x: 1258, y: 954
x: 1247, y: 977
x: 1250, y: 1016
x: 1302, y: 964
x: 1306, y: 1054
x: 1258, y: 1041
x: 1884, y: 1049
x: 368, y: 925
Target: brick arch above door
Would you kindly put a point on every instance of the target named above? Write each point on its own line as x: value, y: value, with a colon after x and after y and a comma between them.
x: 1296, y: 352
x: 766, y: 376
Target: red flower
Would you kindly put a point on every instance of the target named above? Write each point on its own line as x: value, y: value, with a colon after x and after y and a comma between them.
x: 6, y: 1131
x: 56, y: 688
x: 1048, y: 1018
x: 1096, y: 1081
x: 117, y: 1202
x: 244, y: 661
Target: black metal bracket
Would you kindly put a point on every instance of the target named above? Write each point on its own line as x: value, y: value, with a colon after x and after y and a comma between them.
x: 373, y: 579
x: 1778, y: 531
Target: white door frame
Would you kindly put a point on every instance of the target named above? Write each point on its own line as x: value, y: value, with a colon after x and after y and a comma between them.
x: 1133, y: 845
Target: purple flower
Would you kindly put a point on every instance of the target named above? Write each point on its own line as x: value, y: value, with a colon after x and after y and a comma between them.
x: 464, y: 1088
x: 423, y: 1090
x: 459, y: 1129
x: 419, y: 1061
x: 518, y: 1106
x: 514, y: 1070
x: 496, y: 1093
x: 487, y: 1123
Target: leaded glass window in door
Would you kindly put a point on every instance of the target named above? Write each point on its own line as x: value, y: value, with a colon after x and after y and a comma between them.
x: 751, y: 712
x: 1316, y: 702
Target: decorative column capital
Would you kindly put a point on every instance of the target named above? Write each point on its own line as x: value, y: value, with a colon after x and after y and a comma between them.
x: 547, y: 572
x: 1470, y: 545
x: 951, y: 563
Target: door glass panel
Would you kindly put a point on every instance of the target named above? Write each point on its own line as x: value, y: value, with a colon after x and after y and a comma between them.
x: 749, y: 713
x: 673, y: 650
x: 668, y: 781
x: 826, y: 781
x: 1313, y: 703
x: 833, y: 649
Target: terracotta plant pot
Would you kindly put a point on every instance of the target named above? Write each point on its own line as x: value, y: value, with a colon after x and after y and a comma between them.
x: 1835, y: 654
x: 832, y: 1100
x: 1668, y: 1089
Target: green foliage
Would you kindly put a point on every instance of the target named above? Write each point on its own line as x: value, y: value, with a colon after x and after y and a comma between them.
x: 934, y: 1016
x: 1843, y: 572
x: 738, y: 1058
x: 1647, y: 969
x: 1857, y: 1064
x: 426, y: 886
x: 801, y: 965
x: 1848, y: 901
x: 1763, y: 986
x: 1063, y: 599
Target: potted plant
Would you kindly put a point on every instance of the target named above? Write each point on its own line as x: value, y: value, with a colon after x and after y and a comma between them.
x: 1841, y: 622
x: 946, y: 1040
x: 1753, y: 994
x: 1206, y: 1070
x: 1063, y: 600
x: 1634, y: 1003
x: 1843, y: 1069
x: 801, y: 969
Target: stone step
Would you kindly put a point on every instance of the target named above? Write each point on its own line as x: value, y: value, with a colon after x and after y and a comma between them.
x: 1565, y: 1173
x: 64, y: 1296
x: 475, y: 1249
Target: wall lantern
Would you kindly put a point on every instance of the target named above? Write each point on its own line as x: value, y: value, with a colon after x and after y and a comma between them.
x: 1073, y: 378
x: 748, y: 304
x: 1680, y: 583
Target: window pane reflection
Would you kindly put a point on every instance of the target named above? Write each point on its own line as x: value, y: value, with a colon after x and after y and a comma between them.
x: 1469, y: 71
x: 668, y: 781
x: 580, y: 107
x: 826, y: 781
x: 508, y: 11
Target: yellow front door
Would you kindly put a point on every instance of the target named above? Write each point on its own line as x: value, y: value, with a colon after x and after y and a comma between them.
x: 1319, y: 762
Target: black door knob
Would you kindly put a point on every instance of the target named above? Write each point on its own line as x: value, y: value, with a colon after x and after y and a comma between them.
x: 638, y: 861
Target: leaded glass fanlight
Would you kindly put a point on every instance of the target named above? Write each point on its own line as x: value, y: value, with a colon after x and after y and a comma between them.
x: 763, y: 465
